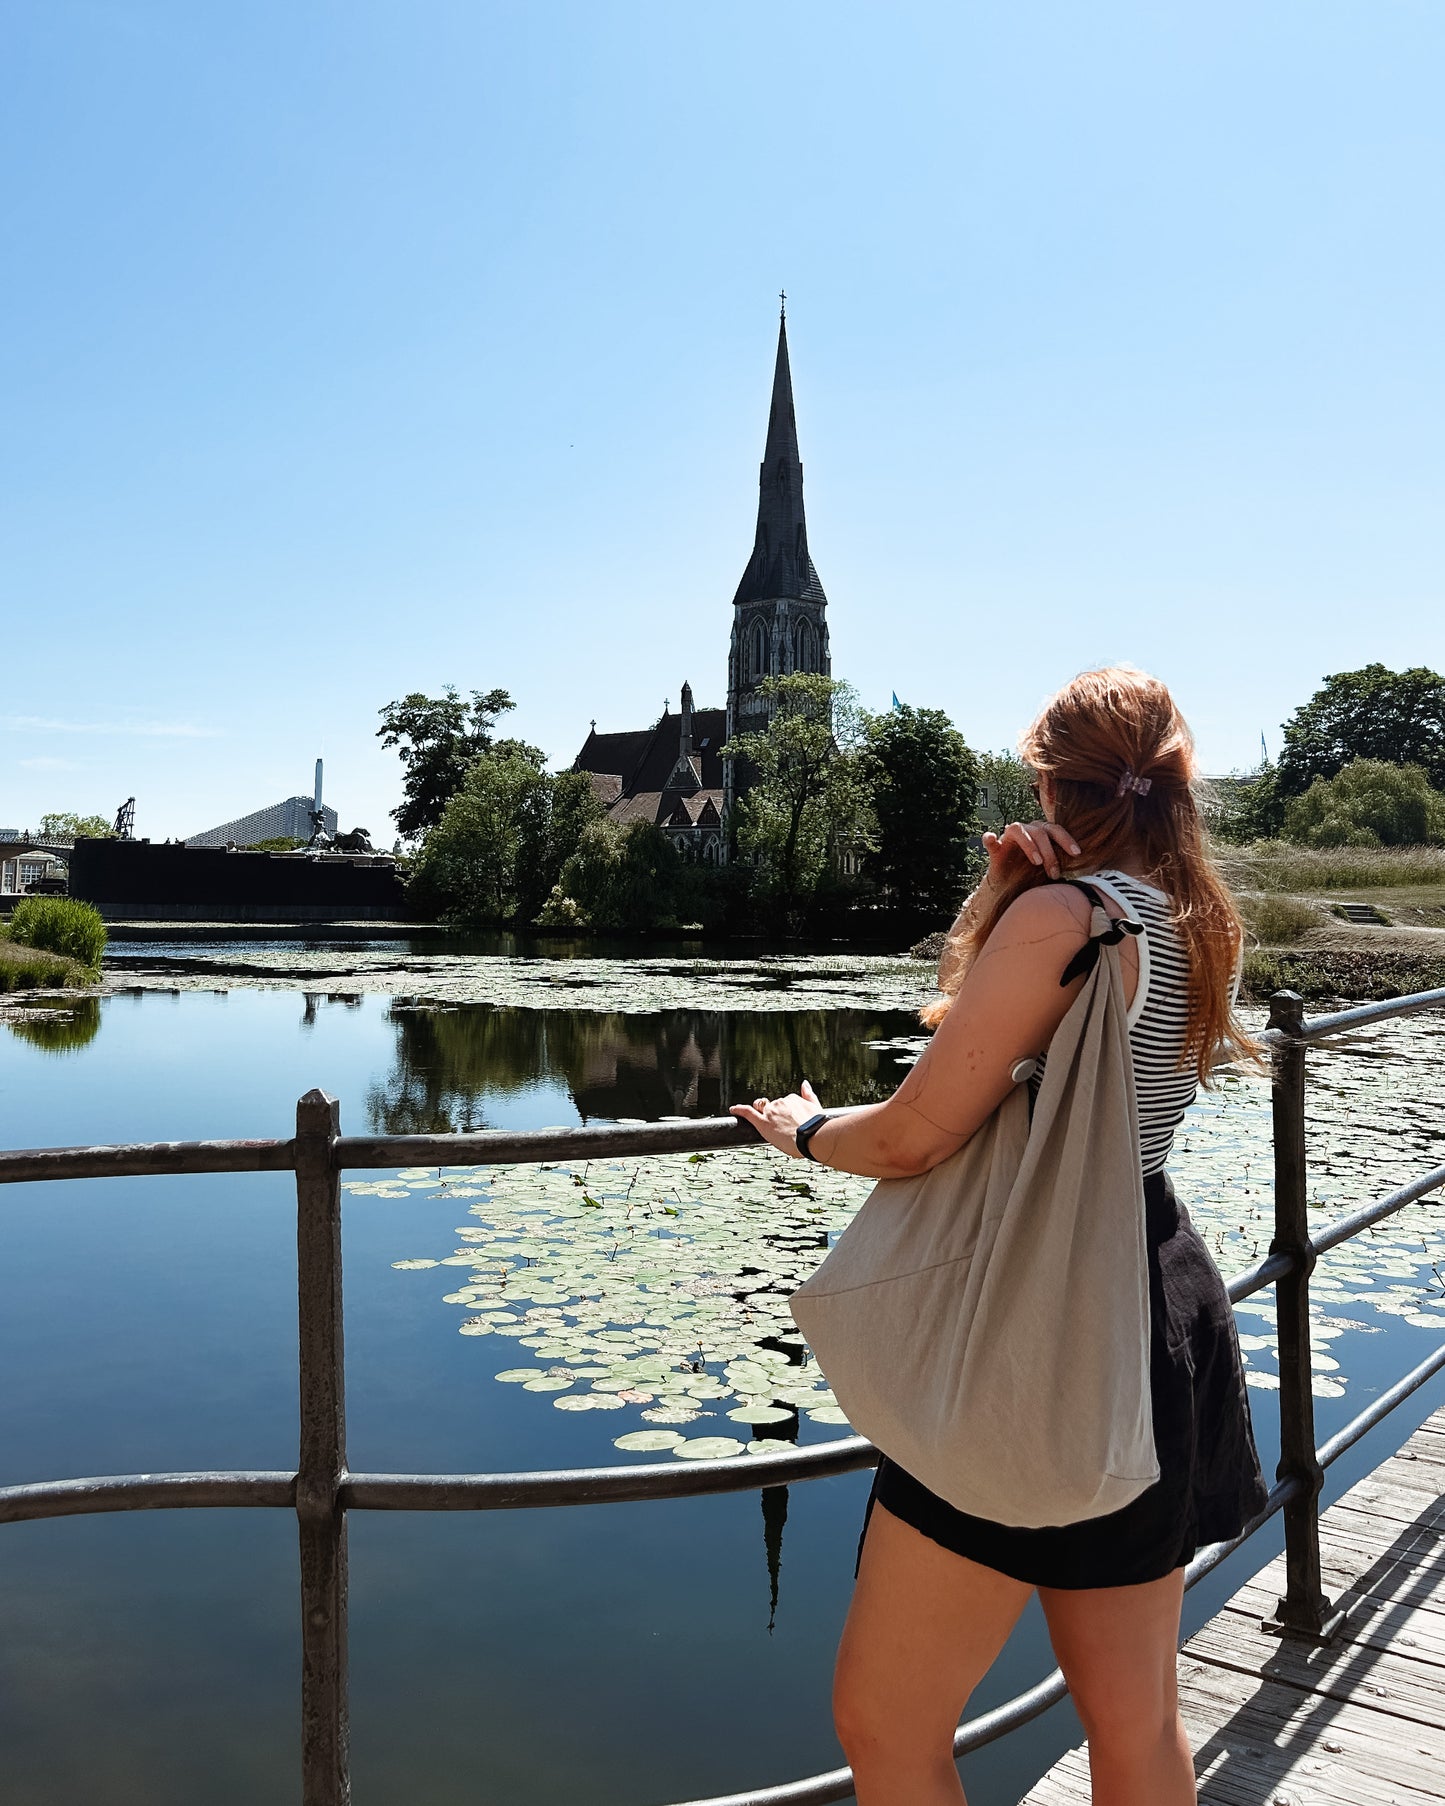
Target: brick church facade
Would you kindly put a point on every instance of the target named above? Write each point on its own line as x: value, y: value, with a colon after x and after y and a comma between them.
x: 672, y: 773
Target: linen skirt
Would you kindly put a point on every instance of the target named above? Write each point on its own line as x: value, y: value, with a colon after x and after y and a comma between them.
x: 1209, y: 1482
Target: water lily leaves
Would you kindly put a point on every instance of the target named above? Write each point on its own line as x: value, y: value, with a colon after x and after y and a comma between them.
x: 673, y: 1414
x: 546, y: 1382
x: 647, y: 1442
x: 755, y: 1413
x: 516, y: 1375
x: 827, y: 1414
x: 708, y: 1448
x: 576, y: 1401
x: 474, y: 1327
x: 412, y: 1266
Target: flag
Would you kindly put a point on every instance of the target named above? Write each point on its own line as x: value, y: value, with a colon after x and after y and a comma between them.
x: 896, y: 703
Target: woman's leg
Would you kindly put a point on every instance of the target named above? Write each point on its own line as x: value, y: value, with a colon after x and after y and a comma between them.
x: 1118, y: 1648
x: 922, y: 1631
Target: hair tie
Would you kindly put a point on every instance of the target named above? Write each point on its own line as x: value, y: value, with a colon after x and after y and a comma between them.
x: 1141, y: 786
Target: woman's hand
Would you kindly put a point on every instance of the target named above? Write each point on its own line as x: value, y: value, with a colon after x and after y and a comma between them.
x: 777, y: 1121
x: 1037, y: 841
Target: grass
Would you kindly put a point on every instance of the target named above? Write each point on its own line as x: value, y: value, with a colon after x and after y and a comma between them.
x: 1278, y: 921
x: 1330, y: 974
x: 33, y: 969
x: 1277, y: 866
x: 62, y: 925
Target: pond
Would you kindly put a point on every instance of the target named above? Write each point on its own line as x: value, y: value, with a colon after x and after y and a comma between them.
x: 519, y: 1319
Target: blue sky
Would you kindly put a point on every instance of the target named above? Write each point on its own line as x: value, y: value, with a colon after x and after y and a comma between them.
x: 354, y: 348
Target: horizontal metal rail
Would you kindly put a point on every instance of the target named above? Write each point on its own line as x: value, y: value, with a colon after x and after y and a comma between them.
x: 322, y: 1490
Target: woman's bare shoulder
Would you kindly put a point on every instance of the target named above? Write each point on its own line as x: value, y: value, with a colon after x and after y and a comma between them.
x: 1043, y: 913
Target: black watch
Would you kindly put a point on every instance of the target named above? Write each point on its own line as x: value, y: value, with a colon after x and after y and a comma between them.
x: 805, y: 1132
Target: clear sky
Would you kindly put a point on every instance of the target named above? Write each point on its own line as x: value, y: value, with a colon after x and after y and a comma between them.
x: 352, y: 348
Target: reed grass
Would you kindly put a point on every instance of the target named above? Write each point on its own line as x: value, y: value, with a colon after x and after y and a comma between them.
x: 1280, y: 867
x: 1278, y: 921
x: 33, y: 969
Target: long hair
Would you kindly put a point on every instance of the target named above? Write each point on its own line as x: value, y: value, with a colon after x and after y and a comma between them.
x: 1086, y: 739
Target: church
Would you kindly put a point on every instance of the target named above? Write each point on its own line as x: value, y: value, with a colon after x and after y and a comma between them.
x: 672, y: 773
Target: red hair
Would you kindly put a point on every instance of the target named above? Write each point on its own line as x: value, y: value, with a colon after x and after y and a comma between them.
x: 1102, y: 726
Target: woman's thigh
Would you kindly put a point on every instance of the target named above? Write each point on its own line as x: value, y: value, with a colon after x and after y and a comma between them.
x: 1118, y: 1649
x: 923, y: 1629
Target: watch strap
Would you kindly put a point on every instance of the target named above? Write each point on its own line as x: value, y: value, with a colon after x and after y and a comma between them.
x: 805, y: 1132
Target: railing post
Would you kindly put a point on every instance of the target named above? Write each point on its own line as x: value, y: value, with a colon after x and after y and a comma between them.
x: 1303, y: 1610
x: 325, y: 1731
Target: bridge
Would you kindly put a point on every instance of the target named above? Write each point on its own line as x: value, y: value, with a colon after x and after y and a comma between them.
x: 1293, y: 1697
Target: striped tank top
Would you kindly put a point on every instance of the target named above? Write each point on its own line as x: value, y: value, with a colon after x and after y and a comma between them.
x: 1158, y: 1016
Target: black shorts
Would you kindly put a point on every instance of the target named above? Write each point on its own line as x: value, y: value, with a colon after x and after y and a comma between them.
x: 1209, y: 1484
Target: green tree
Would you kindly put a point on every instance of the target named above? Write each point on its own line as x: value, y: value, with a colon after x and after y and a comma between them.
x: 1396, y: 717
x: 436, y: 738
x: 629, y: 879
x: 1007, y: 783
x: 806, y: 797
x: 1247, y: 807
x: 64, y: 822
x: 1369, y: 804
x: 502, y: 838
x: 922, y: 783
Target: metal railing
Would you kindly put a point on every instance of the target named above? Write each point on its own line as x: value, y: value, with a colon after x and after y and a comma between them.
x: 323, y: 1490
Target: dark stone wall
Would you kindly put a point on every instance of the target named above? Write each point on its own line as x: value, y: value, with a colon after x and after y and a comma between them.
x: 179, y: 883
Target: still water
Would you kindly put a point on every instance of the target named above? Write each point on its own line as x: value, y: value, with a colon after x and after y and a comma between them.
x: 636, y: 1653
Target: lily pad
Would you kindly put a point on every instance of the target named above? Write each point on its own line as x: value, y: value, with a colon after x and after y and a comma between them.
x: 647, y: 1442
x: 708, y: 1448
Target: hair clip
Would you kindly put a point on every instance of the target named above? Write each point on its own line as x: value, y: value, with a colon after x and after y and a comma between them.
x: 1141, y: 786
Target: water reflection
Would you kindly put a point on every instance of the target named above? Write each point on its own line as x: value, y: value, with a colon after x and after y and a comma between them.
x: 448, y: 1062
x: 61, y: 1030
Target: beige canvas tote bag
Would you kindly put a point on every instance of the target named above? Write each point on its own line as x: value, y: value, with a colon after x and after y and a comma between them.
x: 986, y: 1324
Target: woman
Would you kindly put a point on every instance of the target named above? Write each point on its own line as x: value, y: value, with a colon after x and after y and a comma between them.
x: 937, y: 1590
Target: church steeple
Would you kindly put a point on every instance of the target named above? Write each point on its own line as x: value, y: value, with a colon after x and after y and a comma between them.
x: 780, y: 614
x: 780, y: 565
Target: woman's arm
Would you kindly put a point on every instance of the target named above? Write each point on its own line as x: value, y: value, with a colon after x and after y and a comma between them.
x: 1006, y: 1010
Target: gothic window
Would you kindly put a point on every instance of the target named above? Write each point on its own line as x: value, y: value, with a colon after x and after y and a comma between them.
x: 758, y: 654
x: 803, y: 658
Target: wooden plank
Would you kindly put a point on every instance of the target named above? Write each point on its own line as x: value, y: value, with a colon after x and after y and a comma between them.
x: 1382, y: 1678
x: 1243, y: 1729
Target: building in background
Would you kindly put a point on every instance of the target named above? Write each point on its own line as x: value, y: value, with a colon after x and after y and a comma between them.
x: 671, y: 773
x: 290, y: 820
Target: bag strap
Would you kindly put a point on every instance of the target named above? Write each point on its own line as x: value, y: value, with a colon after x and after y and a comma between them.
x: 1087, y: 957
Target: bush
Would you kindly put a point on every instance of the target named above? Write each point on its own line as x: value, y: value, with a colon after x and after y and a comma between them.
x: 629, y: 880
x: 60, y: 925
x: 1278, y: 921
x: 1370, y: 804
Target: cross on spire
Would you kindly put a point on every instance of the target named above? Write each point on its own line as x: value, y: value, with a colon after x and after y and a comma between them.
x: 783, y: 304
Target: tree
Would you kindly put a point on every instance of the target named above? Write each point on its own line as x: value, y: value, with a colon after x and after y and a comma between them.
x: 628, y: 879
x: 436, y: 738
x: 65, y: 824
x: 806, y: 797
x: 1369, y: 804
x: 1008, y: 784
x: 922, y: 783
x: 503, y: 838
x: 1397, y: 717
x: 1247, y: 807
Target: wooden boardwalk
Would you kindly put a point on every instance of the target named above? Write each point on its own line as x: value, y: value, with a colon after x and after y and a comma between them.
x: 1275, y: 1722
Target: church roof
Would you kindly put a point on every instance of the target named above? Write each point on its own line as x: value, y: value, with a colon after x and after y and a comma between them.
x: 645, y: 759
x: 780, y: 564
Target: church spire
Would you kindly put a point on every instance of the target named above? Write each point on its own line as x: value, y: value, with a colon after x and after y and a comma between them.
x: 780, y: 566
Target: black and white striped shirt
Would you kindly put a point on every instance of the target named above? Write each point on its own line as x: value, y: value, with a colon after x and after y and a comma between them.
x: 1158, y: 1016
